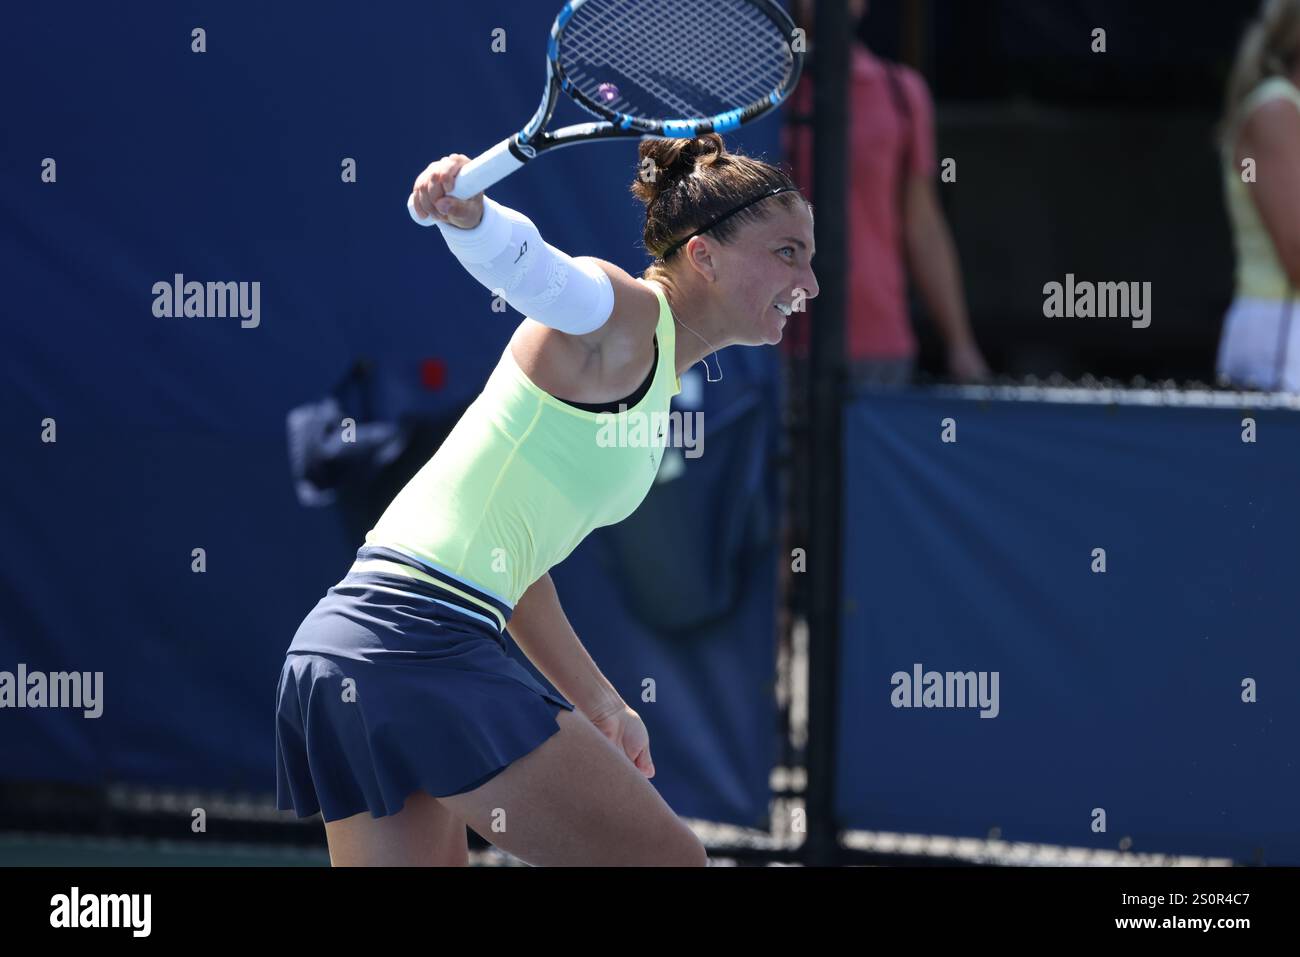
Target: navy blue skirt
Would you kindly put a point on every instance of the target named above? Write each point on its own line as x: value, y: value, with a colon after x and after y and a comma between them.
x: 393, y: 684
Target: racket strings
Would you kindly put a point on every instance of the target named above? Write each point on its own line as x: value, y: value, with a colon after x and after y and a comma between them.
x: 674, y: 58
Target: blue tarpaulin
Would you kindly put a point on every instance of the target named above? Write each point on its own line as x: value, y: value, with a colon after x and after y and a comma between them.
x: 1121, y: 690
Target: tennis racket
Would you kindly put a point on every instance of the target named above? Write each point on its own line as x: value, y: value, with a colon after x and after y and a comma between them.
x: 670, y: 68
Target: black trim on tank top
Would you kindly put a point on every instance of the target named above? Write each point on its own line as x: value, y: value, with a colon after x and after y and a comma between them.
x: 630, y: 400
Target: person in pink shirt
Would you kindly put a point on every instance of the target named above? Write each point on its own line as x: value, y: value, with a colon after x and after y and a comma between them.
x: 896, y: 227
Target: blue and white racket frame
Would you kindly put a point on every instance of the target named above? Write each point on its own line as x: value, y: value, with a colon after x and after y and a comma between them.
x: 508, y: 156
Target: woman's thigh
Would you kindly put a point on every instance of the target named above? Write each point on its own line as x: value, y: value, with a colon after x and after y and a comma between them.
x: 423, y: 833
x: 577, y: 800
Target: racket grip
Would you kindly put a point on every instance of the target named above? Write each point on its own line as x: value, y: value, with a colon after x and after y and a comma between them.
x: 478, y: 174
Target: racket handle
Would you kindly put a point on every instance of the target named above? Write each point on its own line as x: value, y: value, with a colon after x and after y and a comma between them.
x: 478, y: 174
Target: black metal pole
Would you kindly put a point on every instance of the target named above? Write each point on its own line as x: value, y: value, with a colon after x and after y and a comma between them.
x: 831, y: 50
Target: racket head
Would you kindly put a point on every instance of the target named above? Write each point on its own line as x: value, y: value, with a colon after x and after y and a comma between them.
x: 674, y: 67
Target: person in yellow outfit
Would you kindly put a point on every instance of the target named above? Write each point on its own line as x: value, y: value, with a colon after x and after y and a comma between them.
x: 400, y: 715
x: 1260, y: 140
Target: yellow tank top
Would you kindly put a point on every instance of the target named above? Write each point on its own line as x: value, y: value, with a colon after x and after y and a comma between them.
x: 523, y: 478
x: 1259, y: 273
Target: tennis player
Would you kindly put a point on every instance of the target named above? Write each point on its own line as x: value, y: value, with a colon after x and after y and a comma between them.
x: 401, y: 717
x: 1259, y: 347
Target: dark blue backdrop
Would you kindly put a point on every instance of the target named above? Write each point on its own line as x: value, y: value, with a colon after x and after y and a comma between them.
x: 1120, y: 691
x: 226, y: 166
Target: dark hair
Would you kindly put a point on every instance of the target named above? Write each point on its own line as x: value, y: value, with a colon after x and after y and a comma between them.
x: 690, y: 182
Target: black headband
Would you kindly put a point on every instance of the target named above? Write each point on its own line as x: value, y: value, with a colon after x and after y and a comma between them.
x: 717, y: 219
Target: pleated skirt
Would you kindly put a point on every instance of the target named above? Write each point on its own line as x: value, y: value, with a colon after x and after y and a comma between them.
x: 391, y: 685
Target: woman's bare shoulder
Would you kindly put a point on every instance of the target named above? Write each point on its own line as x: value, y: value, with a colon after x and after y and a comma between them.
x: 599, y: 361
x: 636, y: 307
x: 1276, y: 119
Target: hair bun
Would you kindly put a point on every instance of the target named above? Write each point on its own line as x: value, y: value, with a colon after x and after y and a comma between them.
x: 672, y: 160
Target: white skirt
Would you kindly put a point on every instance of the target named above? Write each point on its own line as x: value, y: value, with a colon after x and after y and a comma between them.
x: 1260, y: 345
